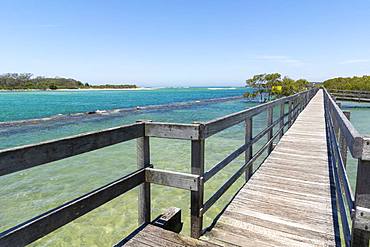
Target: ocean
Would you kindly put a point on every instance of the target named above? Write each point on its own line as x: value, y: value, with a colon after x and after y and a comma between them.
x: 30, y: 192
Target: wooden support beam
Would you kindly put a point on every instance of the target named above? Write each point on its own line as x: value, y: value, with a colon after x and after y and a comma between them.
x: 143, y: 161
x: 172, y: 179
x: 197, y: 168
x: 360, y: 237
x: 249, y: 150
x: 270, y: 115
x: 290, y: 110
x: 342, y: 141
x: 282, y: 110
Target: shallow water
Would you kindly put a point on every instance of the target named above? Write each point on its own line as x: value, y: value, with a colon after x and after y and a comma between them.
x: 42, y: 188
x: 28, y: 193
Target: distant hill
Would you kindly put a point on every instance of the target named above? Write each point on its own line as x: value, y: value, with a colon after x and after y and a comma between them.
x: 15, y: 81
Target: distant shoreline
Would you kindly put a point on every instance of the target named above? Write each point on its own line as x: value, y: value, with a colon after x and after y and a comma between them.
x: 78, y: 89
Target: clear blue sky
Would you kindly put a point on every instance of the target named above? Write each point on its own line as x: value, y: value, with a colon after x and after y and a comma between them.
x: 185, y: 42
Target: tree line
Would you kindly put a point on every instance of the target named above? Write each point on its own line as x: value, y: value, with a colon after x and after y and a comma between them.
x: 349, y: 83
x: 267, y: 86
x: 21, y: 81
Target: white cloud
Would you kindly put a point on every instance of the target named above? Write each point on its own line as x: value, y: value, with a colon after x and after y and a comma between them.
x: 352, y: 61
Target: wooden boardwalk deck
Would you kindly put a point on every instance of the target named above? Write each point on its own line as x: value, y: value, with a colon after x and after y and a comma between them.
x: 288, y: 201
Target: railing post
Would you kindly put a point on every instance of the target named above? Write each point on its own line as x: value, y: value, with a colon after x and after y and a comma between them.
x: 290, y: 112
x: 270, y: 112
x: 342, y: 141
x: 282, y: 109
x: 143, y: 160
x: 197, y: 168
x: 248, y: 151
x: 360, y: 237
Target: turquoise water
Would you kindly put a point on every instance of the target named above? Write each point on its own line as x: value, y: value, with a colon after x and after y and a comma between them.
x: 30, y: 192
x: 37, y: 104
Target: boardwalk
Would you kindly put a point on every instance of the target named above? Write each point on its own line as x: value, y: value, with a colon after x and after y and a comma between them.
x: 287, y: 202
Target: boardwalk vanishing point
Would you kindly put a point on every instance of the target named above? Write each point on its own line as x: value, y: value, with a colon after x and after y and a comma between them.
x: 299, y: 196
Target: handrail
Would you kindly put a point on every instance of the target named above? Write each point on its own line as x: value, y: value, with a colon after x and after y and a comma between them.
x: 342, y: 136
x: 214, y: 126
x: 45, y: 223
x: 353, y: 138
x: 216, y: 168
x: 25, y: 157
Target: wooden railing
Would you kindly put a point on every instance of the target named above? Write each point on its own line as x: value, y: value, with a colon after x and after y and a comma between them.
x: 25, y: 157
x: 354, y: 209
x: 351, y: 95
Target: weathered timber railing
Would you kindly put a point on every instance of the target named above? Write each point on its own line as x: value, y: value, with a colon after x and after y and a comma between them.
x: 353, y: 209
x: 351, y: 95
x: 25, y: 157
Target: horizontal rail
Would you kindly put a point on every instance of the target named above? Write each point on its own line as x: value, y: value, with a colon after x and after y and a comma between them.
x: 24, y: 157
x: 172, y: 179
x: 45, y: 223
x: 173, y: 131
x: 217, y: 125
x: 349, y: 91
x: 349, y: 98
x: 353, y: 138
x: 207, y: 205
x: 222, y: 164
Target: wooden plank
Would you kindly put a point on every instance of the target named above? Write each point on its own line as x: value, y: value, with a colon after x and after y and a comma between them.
x: 155, y: 236
x: 20, y: 158
x: 173, y: 179
x: 45, y: 223
x: 144, y: 198
x: 173, y: 130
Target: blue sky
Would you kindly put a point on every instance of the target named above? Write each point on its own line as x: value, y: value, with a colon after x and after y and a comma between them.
x: 185, y: 42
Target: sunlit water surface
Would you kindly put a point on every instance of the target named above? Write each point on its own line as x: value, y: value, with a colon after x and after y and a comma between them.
x: 28, y: 193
